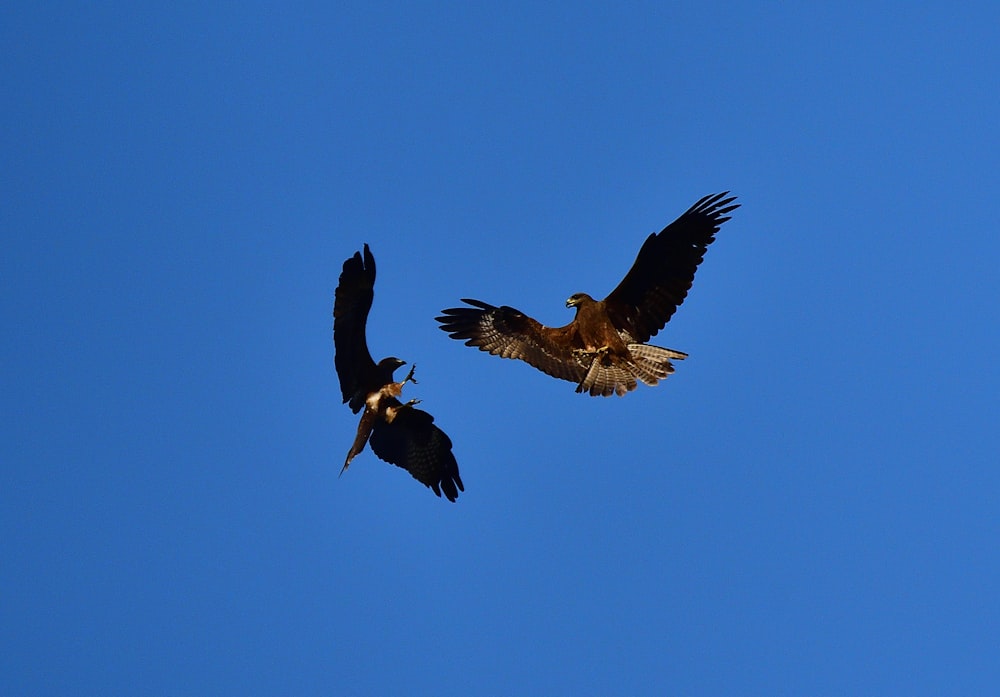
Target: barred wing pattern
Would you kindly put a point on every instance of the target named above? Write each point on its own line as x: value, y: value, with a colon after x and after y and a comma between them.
x: 413, y: 442
x: 509, y: 333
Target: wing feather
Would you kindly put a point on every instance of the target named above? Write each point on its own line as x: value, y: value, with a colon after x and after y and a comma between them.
x: 352, y: 302
x: 509, y: 333
x: 664, y: 269
x: 412, y: 441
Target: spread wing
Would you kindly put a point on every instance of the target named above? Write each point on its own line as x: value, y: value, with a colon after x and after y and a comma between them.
x: 413, y: 442
x: 509, y: 333
x: 352, y: 301
x: 664, y: 269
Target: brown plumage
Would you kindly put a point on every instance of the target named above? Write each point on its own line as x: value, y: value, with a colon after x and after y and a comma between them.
x: 604, y: 348
x: 398, y: 432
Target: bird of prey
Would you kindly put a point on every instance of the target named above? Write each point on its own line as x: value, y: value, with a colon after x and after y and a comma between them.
x: 398, y: 432
x: 604, y: 350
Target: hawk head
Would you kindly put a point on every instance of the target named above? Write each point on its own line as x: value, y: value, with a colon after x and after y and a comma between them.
x: 577, y: 299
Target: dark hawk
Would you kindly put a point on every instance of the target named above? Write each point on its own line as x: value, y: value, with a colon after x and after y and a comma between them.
x: 398, y: 432
x: 604, y: 350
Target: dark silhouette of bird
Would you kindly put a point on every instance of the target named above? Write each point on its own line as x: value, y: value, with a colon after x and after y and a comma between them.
x: 398, y: 432
x: 604, y: 350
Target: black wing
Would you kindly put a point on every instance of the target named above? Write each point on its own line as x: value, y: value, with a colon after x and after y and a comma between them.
x: 413, y: 442
x: 509, y: 333
x: 352, y: 302
x: 664, y: 269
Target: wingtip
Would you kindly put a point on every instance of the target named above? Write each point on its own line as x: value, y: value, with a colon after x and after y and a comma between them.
x: 369, y: 261
x: 450, y: 315
x: 715, y: 205
x: 359, y: 263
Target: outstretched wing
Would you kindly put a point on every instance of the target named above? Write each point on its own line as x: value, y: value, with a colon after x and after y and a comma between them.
x: 352, y: 301
x: 509, y: 333
x: 413, y: 442
x: 664, y: 269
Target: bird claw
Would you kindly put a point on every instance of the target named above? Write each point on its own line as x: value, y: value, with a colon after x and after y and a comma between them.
x: 601, y: 352
x: 409, y: 376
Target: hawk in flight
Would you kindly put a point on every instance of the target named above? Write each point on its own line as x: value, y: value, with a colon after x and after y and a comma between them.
x: 604, y: 350
x: 398, y: 432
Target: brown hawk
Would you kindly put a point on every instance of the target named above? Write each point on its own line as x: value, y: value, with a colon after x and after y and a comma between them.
x: 398, y: 432
x: 604, y: 350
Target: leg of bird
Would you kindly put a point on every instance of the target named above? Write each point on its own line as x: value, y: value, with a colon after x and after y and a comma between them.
x: 409, y: 376
x: 600, y: 352
x: 392, y: 412
x: 603, y: 355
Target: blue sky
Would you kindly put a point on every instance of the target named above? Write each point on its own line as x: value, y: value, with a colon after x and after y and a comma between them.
x: 808, y: 506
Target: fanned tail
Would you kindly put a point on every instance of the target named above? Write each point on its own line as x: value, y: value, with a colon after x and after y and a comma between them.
x: 606, y: 380
x: 650, y: 364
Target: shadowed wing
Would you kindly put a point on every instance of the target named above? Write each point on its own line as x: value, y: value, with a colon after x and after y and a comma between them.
x: 664, y: 269
x: 413, y: 442
x: 509, y: 333
x: 352, y: 302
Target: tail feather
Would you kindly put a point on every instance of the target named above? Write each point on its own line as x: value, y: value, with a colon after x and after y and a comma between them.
x: 649, y: 364
x: 606, y: 380
x: 652, y: 363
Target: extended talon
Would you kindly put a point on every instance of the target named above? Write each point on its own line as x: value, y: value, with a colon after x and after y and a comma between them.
x: 602, y: 351
x: 392, y: 412
x: 409, y: 376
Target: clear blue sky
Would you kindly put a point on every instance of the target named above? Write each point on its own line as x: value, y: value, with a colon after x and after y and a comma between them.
x: 809, y: 506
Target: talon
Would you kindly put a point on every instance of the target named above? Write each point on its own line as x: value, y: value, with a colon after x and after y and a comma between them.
x: 602, y: 351
x: 409, y: 376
